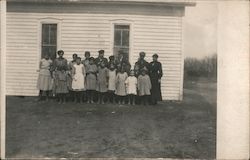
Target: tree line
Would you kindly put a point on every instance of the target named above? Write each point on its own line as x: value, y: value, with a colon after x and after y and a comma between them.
x: 197, y: 68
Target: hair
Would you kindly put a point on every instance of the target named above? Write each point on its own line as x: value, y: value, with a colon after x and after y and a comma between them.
x: 111, y: 57
x: 155, y: 55
x: 75, y: 55
x: 87, y: 53
x: 78, y: 58
x: 91, y: 58
x: 60, y: 51
x: 142, y: 53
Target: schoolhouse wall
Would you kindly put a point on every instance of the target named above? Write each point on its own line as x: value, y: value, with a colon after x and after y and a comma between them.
x: 81, y: 32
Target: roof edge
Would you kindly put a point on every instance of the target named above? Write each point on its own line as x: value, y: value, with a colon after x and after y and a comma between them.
x: 136, y: 2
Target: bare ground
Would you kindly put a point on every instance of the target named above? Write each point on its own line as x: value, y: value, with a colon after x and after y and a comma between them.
x: 184, y: 129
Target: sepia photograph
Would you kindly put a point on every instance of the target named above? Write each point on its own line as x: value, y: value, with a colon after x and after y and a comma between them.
x: 110, y: 78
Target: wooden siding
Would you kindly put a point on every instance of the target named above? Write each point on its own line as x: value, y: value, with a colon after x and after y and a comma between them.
x: 80, y: 32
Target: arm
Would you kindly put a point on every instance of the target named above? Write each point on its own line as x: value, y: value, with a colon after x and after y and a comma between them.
x: 149, y: 82
x: 83, y: 70
x: 160, y: 71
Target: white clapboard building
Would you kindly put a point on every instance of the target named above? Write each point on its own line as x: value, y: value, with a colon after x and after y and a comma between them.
x: 75, y: 26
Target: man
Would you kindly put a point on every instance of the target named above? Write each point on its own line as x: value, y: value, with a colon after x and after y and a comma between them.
x: 141, y: 64
x: 101, y: 59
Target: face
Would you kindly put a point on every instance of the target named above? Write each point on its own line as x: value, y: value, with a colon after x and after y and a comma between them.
x: 101, y: 55
x: 91, y: 61
x: 87, y: 55
x: 102, y: 65
x: 142, y: 55
x: 78, y: 61
x: 60, y: 54
x: 74, y: 56
x: 143, y: 73
x: 155, y: 58
x: 112, y: 67
x: 132, y: 73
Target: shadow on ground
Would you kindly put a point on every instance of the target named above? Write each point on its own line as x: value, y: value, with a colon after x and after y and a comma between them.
x: 184, y: 129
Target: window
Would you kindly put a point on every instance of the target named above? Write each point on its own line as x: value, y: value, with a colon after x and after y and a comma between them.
x: 121, y: 39
x: 49, y: 40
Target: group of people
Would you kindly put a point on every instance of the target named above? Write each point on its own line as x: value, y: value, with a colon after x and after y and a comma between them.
x: 110, y: 80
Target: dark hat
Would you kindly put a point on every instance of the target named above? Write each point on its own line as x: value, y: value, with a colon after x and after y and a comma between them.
x: 111, y: 57
x: 142, y: 53
x: 101, y: 51
x: 155, y: 55
x: 60, y: 51
x: 91, y: 58
x: 87, y: 52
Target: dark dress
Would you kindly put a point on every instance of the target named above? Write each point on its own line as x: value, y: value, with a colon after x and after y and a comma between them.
x: 155, y: 73
x: 140, y: 65
x: 60, y: 67
x: 99, y: 60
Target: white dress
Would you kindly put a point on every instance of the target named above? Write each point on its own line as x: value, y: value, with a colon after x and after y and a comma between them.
x: 131, y: 83
x: 78, y: 77
x: 112, y: 77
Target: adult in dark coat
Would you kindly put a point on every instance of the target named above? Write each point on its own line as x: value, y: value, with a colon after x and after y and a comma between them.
x: 101, y: 59
x: 122, y: 62
x: 155, y: 73
x: 141, y: 64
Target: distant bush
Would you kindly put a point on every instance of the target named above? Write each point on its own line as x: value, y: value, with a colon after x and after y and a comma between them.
x: 198, y: 68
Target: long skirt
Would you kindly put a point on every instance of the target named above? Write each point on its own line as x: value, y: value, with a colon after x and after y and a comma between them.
x: 156, y: 90
x: 61, y: 84
x: 90, y: 82
x: 44, y: 82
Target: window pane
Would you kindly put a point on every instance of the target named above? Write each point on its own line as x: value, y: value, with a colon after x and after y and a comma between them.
x: 117, y: 40
x: 45, y: 34
x: 125, y: 38
x: 122, y: 27
x: 49, y: 40
x: 53, y: 34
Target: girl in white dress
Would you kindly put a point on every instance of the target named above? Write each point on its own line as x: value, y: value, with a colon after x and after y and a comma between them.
x: 120, y: 86
x: 111, y: 85
x: 131, y: 87
x: 44, y: 82
x: 78, y: 75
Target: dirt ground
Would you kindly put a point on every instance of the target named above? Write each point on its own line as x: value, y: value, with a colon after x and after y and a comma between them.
x: 184, y: 129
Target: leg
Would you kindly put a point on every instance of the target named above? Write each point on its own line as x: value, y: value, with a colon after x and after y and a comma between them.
x: 133, y: 99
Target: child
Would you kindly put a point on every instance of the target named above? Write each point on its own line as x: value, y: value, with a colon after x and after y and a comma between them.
x: 102, y: 82
x: 131, y: 86
x: 120, y: 86
x: 78, y: 78
x: 44, y: 82
x: 111, y: 85
x: 91, y: 73
x: 144, y: 86
x: 85, y: 62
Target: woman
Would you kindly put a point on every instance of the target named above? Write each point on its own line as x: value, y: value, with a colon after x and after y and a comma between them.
x: 60, y: 75
x: 44, y: 83
x: 155, y: 73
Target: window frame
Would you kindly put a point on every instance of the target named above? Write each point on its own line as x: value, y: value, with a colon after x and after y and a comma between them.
x: 130, y: 23
x: 48, y: 20
x: 48, y: 45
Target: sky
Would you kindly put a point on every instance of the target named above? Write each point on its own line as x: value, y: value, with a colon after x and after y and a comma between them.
x: 200, y: 29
